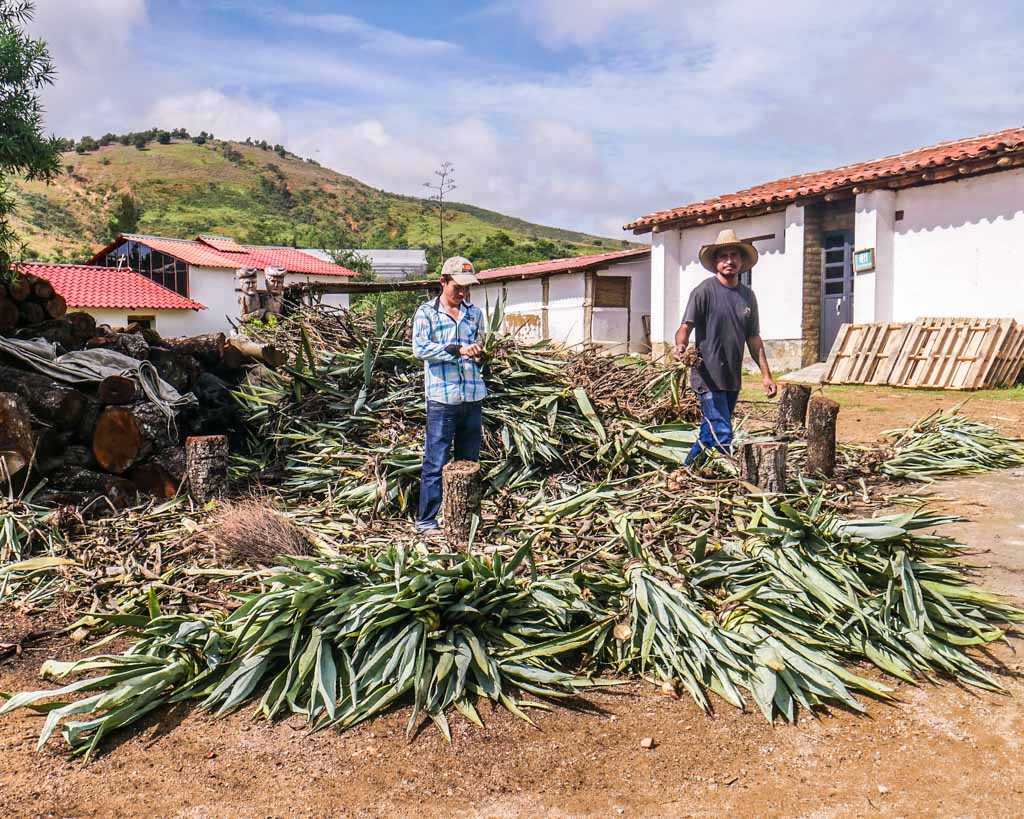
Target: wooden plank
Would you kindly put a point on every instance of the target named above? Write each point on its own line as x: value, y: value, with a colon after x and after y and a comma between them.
x: 896, y: 340
x: 836, y: 355
x: 1009, y: 361
x: 994, y: 340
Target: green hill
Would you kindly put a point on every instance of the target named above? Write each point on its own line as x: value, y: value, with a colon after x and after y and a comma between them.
x: 258, y: 196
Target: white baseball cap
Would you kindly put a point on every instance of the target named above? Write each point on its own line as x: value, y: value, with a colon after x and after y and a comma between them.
x: 460, y: 270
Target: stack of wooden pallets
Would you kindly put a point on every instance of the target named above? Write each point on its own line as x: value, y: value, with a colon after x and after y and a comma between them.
x: 931, y: 353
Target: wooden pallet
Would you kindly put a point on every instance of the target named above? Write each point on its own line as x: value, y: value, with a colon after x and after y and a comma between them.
x: 931, y: 353
x: 1009, y: 361
x: 864, y: 353
x: 950, y: 353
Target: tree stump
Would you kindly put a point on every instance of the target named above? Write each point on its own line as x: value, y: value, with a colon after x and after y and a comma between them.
x: 206, y: 465
x: 764, y: 465
x: 792, y: 415
x: 460, y: 493
x: 821, y: 436
x: 83, y: 326
x: 16, y: 440
x: 126, y: 435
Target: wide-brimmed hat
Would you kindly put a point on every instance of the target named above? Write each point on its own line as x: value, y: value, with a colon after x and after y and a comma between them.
x: 727, y: 239
x: 460, y: 270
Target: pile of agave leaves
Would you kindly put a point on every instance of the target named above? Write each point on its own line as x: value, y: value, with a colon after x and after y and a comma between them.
x: 588, y: 567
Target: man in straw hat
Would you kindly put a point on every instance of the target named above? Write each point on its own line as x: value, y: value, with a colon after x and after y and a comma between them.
x: 446, y: 336
x: 724, y: 313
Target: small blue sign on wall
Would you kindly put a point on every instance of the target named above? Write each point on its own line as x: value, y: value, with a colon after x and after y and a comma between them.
x: 864, y: 260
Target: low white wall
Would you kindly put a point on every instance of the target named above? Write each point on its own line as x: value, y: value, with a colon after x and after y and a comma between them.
x: 333, y: 299
x: 959, y: 249
x: 524, y: 303
x: 166, y: 322
x: 565, y: 309
x: 609, y: 323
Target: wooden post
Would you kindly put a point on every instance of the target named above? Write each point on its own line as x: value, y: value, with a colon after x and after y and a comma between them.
x: 460, y: 492
x: 821, y: 436
x: 206, y: 465
x: 764, y: 465
x: 792, y: 415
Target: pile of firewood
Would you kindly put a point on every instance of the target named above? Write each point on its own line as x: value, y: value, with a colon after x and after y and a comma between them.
x: 28, y: 301
x: 108, y: 439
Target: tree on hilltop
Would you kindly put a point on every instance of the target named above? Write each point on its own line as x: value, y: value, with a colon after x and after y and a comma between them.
x: 25, y: 67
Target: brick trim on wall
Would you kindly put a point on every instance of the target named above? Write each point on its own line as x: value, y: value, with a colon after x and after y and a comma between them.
x: 810, y: 321
x: 818, y: 220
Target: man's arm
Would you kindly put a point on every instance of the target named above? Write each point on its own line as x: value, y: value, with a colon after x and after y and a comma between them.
x: 757, y: 352
x: 425, y: 348
x: 682, y: 338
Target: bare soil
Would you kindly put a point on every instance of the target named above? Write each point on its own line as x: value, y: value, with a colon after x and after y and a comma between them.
x: 941, y: 750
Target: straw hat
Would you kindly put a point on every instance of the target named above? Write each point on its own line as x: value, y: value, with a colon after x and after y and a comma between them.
x: 727, y: 239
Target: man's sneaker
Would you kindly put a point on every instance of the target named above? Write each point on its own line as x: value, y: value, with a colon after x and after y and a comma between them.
x: 433, y: 534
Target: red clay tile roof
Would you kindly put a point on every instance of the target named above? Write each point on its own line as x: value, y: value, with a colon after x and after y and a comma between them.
x: 87, y: 286
x: 203, y: 253
x: 574, y: 264
x: 809, y: 184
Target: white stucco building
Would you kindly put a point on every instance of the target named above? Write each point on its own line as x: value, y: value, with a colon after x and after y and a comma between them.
x: 603, y: 300
x: 119, y: 297
x: 937, y: 231
x: 203, y: 270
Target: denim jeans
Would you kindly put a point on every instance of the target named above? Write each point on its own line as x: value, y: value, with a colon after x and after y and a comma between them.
x: 457, y: 427
x: 716, y: 407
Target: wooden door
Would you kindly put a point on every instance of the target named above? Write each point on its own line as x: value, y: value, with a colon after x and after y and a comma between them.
x: 836, y: 287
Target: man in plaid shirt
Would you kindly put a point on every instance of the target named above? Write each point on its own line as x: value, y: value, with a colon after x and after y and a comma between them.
x: 446, y: 335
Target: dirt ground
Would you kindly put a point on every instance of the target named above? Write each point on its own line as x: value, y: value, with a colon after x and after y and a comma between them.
x: 941, y: 750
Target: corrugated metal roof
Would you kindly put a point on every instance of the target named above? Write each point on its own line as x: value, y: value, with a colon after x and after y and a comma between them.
x: 573, y: 264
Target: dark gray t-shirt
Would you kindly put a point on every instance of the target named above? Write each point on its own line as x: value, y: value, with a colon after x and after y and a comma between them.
x: 723, y: 318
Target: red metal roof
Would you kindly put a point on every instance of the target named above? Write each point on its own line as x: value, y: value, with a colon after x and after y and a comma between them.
x: 202, y: 253
x: 87, y: 286
x: 573, y: 264
x: 809, y: 184
x: 223, y: 243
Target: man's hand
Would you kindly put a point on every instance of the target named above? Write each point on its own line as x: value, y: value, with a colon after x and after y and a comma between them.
x: 770, y: 387
x: 473, y: 351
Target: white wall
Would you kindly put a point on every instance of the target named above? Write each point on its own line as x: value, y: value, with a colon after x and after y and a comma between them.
x: 959, y: 249
x: 524, y: 313
x: 166, y: 322
x: 609, y: 323
x: 524, y: 304
x: 565, y: 309
x: 214, y: 287
x: 874, y: 220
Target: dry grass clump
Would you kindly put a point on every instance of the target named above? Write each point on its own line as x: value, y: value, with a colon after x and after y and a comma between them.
x: 251, y: 531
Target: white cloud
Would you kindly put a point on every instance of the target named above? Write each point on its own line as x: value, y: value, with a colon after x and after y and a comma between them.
x: 383, y: 41
x: 227, y: 117
x: 654, y: 103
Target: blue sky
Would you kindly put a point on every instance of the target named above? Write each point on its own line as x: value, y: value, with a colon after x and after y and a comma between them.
x: 577, y: 114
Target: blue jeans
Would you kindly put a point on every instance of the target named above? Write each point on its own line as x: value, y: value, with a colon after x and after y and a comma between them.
x: 457, y: 427
x: 716, y: 407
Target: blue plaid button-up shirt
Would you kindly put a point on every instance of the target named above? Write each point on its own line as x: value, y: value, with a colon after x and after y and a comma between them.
x: 449, y: 378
